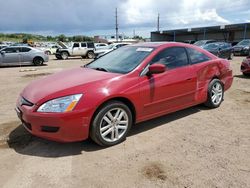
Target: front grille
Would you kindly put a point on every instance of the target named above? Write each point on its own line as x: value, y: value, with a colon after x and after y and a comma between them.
x: 49, y: 129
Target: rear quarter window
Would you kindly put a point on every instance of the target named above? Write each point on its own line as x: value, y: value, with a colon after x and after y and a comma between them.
x: 26, y: 49
x: 91, y: 45
x: 196, y: 56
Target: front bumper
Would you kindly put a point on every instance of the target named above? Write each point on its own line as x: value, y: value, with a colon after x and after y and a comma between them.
x: 241, y: 51
x: 61, y: 127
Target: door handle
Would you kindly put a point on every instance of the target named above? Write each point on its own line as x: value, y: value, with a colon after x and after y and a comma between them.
x: 189, y: 79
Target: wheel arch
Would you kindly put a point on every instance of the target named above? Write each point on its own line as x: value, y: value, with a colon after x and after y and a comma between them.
x: 124, y: 100
x: 36, y: 57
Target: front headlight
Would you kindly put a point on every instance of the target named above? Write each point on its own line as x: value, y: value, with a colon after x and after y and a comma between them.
x: 63, y: 104
x: 246, y: 48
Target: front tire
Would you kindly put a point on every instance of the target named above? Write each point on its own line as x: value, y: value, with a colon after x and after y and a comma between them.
x: 215, y: 94
x: 64, y: 55
x: 111, y: 124
x: 38, y: 61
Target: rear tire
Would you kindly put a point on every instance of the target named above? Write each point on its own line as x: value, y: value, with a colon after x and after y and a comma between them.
x: 111, y: 124
x: 215, y: 94
x: 38, y: 61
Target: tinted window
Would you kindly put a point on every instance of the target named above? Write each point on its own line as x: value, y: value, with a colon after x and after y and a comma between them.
x: 12, y: 50
x: 196, y: 56
x: 91, y: 45
x: 172, y: 57
x: 83, y: 45
x: 76, y: 45
x: 26, y: 49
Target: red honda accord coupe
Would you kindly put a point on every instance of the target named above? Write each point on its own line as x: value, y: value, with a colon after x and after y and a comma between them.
x: 135, y: 83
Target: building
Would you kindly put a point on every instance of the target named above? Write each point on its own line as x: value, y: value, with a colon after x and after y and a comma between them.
x: 229, y: 33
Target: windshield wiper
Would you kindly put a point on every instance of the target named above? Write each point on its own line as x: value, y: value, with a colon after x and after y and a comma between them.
x: 101, y: 69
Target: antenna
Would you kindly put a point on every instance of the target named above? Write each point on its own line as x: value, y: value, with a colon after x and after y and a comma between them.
x: 116, y: 25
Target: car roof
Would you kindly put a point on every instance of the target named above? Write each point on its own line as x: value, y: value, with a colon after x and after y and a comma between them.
x: 161, y: 44
x: 18, y: 47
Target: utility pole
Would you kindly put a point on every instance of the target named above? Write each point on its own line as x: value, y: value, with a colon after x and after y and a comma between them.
x: 134, y: 33
x: 116, y: 25
x: 158, y: 22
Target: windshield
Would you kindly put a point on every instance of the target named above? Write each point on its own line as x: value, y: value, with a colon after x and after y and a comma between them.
x: 244, y: 43
x: 200, y: 43
x: 211, y: 46
x: 122, y: 60
x: 111, y: 46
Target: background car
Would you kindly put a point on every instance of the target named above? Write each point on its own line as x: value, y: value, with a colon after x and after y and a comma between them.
x: 50, y: 49
x: 220, y: 49
x: 242, y: 48
x: 83, y: 49
x: 245, y: 66
x: 2, y: 46
x: 110, y: 48
x: 189, y: 41
x: 99, y: 46
x: 202, y: 43
x: 135, y: 83
x: 22, y: 55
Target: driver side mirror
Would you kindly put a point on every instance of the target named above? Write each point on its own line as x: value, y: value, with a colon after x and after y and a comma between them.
x: 156, y: 68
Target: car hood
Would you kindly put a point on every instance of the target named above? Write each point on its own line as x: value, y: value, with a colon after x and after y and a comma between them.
x: 63, y: 45
x: 64, y: 83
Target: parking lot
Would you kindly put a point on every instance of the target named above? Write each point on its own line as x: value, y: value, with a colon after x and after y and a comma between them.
x: 196, y: 147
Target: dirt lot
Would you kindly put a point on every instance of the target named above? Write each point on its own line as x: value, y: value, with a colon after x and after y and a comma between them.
x: 196, y: 147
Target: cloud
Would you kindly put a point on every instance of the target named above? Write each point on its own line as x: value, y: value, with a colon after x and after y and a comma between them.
x: 94, y: 16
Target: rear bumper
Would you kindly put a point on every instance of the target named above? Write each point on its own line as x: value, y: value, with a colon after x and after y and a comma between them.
x: 61, y: 127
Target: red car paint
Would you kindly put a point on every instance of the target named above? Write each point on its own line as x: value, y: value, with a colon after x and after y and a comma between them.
x: 149, y: 97
x: 245, y: 66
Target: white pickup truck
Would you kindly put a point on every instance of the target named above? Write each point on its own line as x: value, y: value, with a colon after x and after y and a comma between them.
x: 83, y: 49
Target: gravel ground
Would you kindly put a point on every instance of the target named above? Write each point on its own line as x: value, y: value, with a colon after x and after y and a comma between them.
x: 196, y: 147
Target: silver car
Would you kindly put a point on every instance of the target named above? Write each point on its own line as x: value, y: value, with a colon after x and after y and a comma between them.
x: 25, y: 55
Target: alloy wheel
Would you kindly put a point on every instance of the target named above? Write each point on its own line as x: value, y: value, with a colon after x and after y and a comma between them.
x: 217, y: 93
x: 114, y: 125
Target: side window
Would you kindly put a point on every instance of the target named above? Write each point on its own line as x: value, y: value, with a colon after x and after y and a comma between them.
x: 173, y: 57
x: 91, y: 45
x: 76, y: 45
x: 196, y: 56
x: 83, y: 45
x: 12, y: 50
x: 26, y: 49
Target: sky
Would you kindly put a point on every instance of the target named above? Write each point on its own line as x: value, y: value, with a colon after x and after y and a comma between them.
x: 97, y: 17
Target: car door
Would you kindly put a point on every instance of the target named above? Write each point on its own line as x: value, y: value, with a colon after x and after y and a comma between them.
x: 26, y: 55
x: 76, y: 49
x: 12, y: 55
x: 171, y: 90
